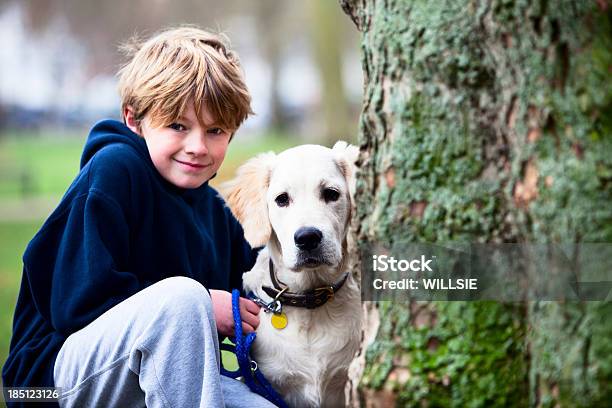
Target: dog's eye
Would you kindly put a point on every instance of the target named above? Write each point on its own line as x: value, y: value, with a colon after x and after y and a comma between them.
x: 329, y: 194
x: 282, y: 200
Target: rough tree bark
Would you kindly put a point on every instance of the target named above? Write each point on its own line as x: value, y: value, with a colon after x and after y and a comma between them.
x: 485, y: 121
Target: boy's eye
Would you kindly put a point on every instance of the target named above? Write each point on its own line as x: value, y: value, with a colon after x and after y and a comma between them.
x: 177, y: 126
x: 216, y: 131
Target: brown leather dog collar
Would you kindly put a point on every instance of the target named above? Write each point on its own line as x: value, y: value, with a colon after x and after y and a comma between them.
x: 310, y: 299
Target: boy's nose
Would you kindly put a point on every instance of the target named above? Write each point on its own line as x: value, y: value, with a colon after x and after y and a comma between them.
x: 196, y: 145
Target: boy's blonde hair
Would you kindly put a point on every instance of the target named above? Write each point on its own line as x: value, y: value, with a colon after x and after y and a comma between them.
x: 178, y: 66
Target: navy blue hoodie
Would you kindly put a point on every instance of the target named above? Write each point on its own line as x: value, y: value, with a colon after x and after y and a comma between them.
x: 119, y: 228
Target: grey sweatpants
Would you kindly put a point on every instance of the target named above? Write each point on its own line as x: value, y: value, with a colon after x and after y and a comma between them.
x: 158, y: 348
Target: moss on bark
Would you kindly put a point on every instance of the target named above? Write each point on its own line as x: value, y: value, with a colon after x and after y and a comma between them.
x: 487, y: 121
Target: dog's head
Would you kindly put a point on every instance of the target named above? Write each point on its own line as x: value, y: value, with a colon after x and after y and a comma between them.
x: 298, y: 201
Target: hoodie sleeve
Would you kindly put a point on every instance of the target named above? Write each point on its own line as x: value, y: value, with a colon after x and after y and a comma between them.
x: 77, y: 265
x: 243, y: 256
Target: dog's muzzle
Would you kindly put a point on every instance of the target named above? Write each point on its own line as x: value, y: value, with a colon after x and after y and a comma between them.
x: 308, y: 240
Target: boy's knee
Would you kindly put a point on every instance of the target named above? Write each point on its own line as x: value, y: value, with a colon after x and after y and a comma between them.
x: 183, y: 295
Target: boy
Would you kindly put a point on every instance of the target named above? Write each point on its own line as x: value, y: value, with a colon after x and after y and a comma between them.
x: 113, y: 307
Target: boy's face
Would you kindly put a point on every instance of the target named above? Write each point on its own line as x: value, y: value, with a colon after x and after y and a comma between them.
x: 186, y: 153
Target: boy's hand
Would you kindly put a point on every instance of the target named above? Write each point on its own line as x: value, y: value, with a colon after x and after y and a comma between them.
x: 222, y: 308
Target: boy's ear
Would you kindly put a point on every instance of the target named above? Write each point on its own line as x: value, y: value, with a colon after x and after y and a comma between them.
x: 130, y: 120
x: 246, y: 197
x: 346, y: 156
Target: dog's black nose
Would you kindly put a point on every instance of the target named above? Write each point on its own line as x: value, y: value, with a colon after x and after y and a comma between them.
x: 307, y: 238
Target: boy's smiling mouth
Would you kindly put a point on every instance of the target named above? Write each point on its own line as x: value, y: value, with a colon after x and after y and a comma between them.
x: 190, y: 165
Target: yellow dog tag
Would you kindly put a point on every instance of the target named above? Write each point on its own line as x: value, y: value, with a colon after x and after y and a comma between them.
x: 279, y: 321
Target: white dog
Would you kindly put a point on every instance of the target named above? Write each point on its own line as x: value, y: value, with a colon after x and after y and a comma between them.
x: 298, y: 203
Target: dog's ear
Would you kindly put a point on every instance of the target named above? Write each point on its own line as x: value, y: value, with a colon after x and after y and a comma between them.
x: 246, y: 197
x: 346, y: 156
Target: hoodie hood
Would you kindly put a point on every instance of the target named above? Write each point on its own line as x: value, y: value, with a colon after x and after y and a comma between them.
x: 108, y: 132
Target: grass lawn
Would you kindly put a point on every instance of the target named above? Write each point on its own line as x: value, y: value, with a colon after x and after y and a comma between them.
x: 35, y: 166
x: 34, y: 173
x: 14, y: 236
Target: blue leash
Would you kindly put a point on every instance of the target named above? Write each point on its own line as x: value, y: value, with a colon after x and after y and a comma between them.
x: 247, y: 368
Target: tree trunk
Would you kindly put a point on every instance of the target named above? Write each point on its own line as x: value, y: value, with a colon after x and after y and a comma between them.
x: 485, y: 121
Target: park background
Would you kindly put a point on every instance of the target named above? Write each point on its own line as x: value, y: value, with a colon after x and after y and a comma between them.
x: 57, y: 78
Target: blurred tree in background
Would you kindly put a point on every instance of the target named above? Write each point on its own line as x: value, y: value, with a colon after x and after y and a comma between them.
x: 326, y: 34
x: 485, y: 121
x: 272, y: 26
